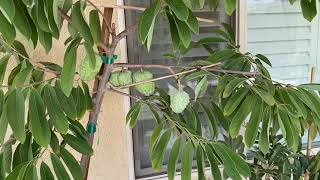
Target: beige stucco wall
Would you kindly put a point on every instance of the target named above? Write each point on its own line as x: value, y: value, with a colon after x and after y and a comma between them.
x: 110, y: 159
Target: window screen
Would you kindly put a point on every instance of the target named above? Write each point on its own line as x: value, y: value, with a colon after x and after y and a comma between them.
x: 161, y: 45
x: 278, y: 30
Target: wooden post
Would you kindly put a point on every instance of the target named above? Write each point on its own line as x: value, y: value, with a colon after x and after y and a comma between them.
x: 99, y: 87
x: 309, y: 145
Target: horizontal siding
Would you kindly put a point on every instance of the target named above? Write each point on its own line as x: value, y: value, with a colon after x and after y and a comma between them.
x: 279, y: 31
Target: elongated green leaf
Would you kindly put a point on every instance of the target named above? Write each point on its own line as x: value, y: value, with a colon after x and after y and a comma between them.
x: 41, y: 15
x: 23, y: 77
x: 67, y: 103
x: 54, y: 144
x: 155, y: 135
x: 78, y: 144
x: 45, y: 172
x: 183, y: 31
x: 20, y: 19
x: 55, y: 112
x: 234, y: 101
x: 87, y: 95
x: 253, y: 124
x: 3, y: 66
x: 159, y: 150
x: 265, y: 96
x: 80, y: 101
x: 90, y: 54
x: 18, y: 172
x: 133, y: 115
x: 193, y: 23
x: 68, y: 70
x: 72, y: 164
x: 230, y: 6
x: 264, y: 134
x: 232, y: 85
x: 175, y: 39
x: 203, y: 84
x: 45, y: 39
x: 241, y: 166
x: 312, y: 86
x: 95, y: 27
x: 155, y: 114
x: 52, y: 23
x: 3, y: 119
x: 200, y: 163
x: 58, y: 4
x: 288, y: 130
x: 309, y: 9
x: 186, y: 159
x: 15, y: 110
x: 37, y: 118
x: 179, y: 9
x: 147, y: 20
x: 173, y: 158
x: 8, y: 8
x: 215, y: 170
x: 58, y: 168
x: 211, y: 118
x: 240, y: 116
x: 7, y: 29
x: 264, y: 59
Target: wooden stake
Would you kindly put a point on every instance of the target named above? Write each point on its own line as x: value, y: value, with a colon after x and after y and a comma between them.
x: 309, y: 145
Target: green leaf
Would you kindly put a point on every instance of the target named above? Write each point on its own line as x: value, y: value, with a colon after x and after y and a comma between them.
x: 175, y: 39
x: 155, y: 136
x: 54, y: 143
x: 221, y: 55
x: 37, y: 118
x: 41, y: 15
x: 154, y: 113
x: 133, y: 115
x: 186, y: 164
x: 264, y: 59
x: 72, y: 164
x: 18, y: 172
x: 195, y: 75
x: 7, y: 29
x: 288, y: 130
x: 45, y: 172
x: 159, y: 150
x: 183, y: 31
x: 15, y: 110
x: 3, y: 119
x: 78, y: 144
x: 265, y: 96
x: 224, y: 122
x: 67, y: 103
x: 200, y: 163
x: 234, y: 101
x: 68, y: 70
x: 80, y: 24
x: 95, y: 27
x: 215, y: 170
x: 90, y: 54
x: 23, y: 77
x: 311, y: 86
x: 179, y: 9
x: 232, y: 85
x: 52, y: 23
x: 173, y: 158
x: 3, y: 66
x: 20, y: 19
x: 193, y: 23
x: 79, y: 99
x: 309, y: 9
x: 55, y: 112
x: 58, y: 4
x: 87, y: 95
x: 8, y: 8
x: 229, y: 31
x: 147, y: 20
x: 58, y: 168
x: 253, y: 124
x: 45, y: 39
x: 240, y: 116
x: 211, y: 118
x: 227, y: 154
x: 201, y: 87
x: 264, y: 134
x: 230, y: 6
x: 211, y: 40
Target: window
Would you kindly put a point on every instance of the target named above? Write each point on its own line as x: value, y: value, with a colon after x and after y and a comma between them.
x: 278, y: 30
x: 161, y: 46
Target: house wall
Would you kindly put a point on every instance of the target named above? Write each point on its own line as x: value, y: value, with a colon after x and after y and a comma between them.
x: 112, y: 141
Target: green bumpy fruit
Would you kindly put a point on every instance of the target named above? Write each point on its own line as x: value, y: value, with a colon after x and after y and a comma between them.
x: 121, y: 78
x: 179, y: 100
x: 148, y: 88
x: 88, y: 73
x: 114, y: 78
x: 125, y: 78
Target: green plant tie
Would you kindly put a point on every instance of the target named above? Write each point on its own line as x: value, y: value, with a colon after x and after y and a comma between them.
x: 91, y: 128
x: 109, y: 60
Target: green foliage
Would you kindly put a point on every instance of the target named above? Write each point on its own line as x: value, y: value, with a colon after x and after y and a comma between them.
x: 54, y: 106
